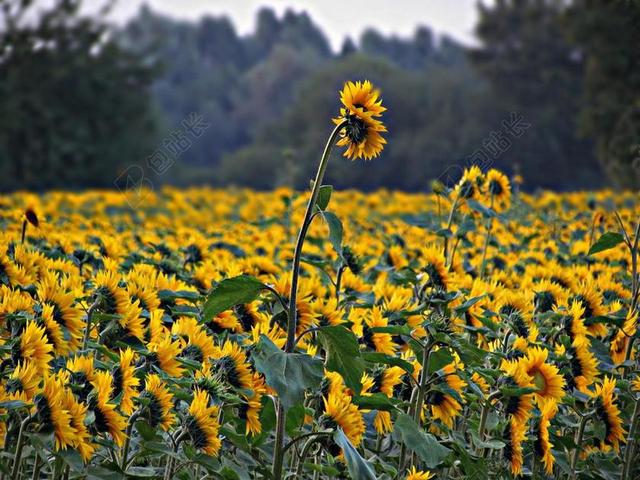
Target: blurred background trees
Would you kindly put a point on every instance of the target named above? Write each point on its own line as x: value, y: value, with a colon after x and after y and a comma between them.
x: 81, y: 100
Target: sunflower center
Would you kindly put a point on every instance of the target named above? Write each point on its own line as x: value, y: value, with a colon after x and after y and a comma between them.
x: 544, y: 301
x: 495, y: 188
x: 539, y: 381
x: 355, y: 129
x: 588, y: 311
x: 228, y: 369
x: 246, y: 319
x: 197, y: 434
x: 117, y: 380
x: 193, y: 352
x: 155, y: 409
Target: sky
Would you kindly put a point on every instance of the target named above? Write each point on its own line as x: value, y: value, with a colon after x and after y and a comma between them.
x: 337, y: 18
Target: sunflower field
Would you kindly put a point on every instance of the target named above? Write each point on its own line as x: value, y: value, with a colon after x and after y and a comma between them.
x: 468, y: 332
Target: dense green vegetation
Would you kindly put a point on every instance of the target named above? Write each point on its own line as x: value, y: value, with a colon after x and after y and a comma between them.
x: 551, y: 92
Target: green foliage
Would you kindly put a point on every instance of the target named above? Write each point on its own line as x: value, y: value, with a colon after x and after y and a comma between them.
x: 607, y: 241
x: 425, y: 445
x: 74, y: 113
x: 289, y: 374
x: 231, y: 292
x: 343, y: 355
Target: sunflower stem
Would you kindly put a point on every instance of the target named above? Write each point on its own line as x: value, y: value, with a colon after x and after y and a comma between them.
x: 576, y: 452
x: 87, y: 331
x: 17, y: 459
x: 127, y: 442
x: 631, y: 440
x: 454, y: 206
x: 278, y: 455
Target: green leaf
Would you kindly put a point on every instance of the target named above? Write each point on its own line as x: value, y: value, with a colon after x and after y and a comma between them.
x: 231, y: 292
x: 376, y: 401
x: 358, y: 467
x: 289, y: 374
x: 294, y: 420
x: 335, y: 231
x: 343, y: 355
x: 438, y: 359
x: 478, y: 207
x: 13, y: 404
x: 146, y: 431
x: 605, y: 242
x: 324, y: 195
x: 377, y: 357
x: 421, y: 443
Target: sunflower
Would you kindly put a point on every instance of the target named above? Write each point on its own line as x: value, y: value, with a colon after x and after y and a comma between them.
x: 51, y: 414
x: 197, y: 345
x: 574, y: 325
x: 23, y: 382
x: 469, y: 186
x: 56, y: 295
x: 620, y: 342
x: 340, y: 412
x: 78, y: 413
x: 231, y: 363
x: 378, y: 341
x: 107, y: 418
x: 327, y: 312
x: 414, y: 474
x: 499, y: 189
x: 163, y: 354
x: 514, y: 435
x: 54, y: 331
x: 202, y: 423
x: 362, y: 131
x: 125, y: 381
x: 160, y: 402
x: 591, y: 300
x: 542, y: 446
x: 547, y: 295
x: 609, y: 413
x: 444, y: 406
x: 250, y: 409
x: 432, y: 264
x: 546, y: 377
x: 584, y: 366
x: 518, y: 406
x: 35, y: 348
x: 247, y: 315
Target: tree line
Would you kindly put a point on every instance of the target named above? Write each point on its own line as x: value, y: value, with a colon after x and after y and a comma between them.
x: 550, y: 92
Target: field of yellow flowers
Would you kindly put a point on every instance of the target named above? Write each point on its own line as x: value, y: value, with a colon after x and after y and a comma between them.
x: 470, y: 332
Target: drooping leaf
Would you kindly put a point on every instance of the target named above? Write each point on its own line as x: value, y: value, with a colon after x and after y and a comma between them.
x: 324, y: 196
x: 377, y: 401
x: 377, y: 357
x: 335, y: 231
x: 607, y: 241
x: 423, y: 444
x: 289, y: 374
x: 230, y: 292
x: 358, y: 467
x: 343, y: 355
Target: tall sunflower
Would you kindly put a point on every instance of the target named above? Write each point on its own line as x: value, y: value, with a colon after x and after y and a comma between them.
x: 231, y: 363
x: 362, y: 131
x: 23, y: 382
x: 514, y: 435
x: 202, y: 423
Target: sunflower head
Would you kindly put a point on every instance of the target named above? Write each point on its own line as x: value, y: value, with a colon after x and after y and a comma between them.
x: 361, y: 132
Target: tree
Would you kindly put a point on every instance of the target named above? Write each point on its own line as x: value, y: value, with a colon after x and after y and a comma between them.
x: 74, y: 106
x: 608, y: 36
x: 537, y: 72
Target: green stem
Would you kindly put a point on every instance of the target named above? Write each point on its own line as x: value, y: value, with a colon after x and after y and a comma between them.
x: 17, y: 459
x: 127, y: 442
x: 576, y: 452
x: 454, y: 205
x: 278, y: 455
x: 24, y: 231
x: 87, y: 330
x: 339, y: 282
x: 303, y: 455
x: 484, y: 414
x: 631, y: 439
x: 486, y: 242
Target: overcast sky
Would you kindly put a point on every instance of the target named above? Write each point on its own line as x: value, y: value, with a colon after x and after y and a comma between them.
x: 338, y: 18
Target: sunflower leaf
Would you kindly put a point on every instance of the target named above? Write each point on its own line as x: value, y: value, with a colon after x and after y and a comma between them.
x: 289, y: 374
x: 324, y: 196
x: 343, y: 355
x: 421, y: 443
x: 231, y: 292
x: 607, y: 241
x: 359, y: 468
x: 335, y: 231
